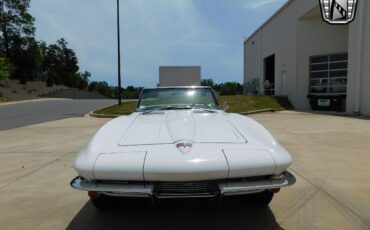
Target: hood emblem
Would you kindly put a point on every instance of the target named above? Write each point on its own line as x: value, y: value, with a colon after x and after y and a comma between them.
x: 184, y: 146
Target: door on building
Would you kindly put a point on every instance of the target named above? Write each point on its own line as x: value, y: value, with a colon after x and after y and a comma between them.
x: 328, y: 82
x: 284, y: 83
x: 269, y: 78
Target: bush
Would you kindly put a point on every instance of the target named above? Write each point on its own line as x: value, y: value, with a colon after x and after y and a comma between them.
x: 49, y: 81
x: 4, y: 69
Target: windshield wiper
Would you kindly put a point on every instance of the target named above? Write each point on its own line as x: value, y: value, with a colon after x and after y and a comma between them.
x: 179, y: 107
x: 205, y: 110
x: 166, y: 108
x: 197, y: 107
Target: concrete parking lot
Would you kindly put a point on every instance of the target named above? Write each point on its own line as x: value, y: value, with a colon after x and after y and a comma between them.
x: 332, y: 166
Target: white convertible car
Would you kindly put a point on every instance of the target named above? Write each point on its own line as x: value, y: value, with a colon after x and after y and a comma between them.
x: 179, y: 144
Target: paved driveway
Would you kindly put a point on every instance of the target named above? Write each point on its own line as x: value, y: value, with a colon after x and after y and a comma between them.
x: 22, y: 114
x: 332, y: 158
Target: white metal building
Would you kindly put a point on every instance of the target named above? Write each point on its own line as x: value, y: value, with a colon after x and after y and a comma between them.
x: 317, y: 65
x: 179, y: 76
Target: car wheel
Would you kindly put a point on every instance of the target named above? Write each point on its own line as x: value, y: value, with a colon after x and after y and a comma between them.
x: 103, y: 202
x: 261, y: 199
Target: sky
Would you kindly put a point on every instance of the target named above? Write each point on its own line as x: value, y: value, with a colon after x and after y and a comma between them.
x: 206, y: 33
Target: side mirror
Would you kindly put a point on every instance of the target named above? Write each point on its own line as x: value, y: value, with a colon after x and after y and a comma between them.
x: 226, y: 106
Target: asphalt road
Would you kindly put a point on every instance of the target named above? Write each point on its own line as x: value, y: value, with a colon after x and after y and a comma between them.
x: 34, y: 112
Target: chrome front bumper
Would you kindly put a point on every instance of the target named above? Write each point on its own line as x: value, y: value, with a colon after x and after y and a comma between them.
x: 147, y: 190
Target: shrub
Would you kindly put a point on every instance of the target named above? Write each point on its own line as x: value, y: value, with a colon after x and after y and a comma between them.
x: 4, y: 69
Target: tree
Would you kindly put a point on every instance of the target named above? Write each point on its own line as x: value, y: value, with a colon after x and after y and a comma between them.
x: 226, y: 88
x: 50, y: 65
x: 50, y: 79
x: 64, y: 63
x: 208, y: 82
x: 27, y: 60
x: 92, y: 86
x: 102, y: 87
x: 131, y: 92
x: 15, y: 23
x: 4, y: 69
x: 230, y: 88
x: 84, y: 80
x: 31, y: 60
x: 68, y: 65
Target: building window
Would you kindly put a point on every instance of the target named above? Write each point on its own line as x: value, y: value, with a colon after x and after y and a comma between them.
x: 328, y: 74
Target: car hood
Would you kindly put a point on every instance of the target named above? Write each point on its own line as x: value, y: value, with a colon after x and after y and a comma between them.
x: 167, y: 127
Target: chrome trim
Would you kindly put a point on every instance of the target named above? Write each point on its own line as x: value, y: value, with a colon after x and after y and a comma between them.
x: 239, y: 188
x: 184, y: 195
x: 197, y: 189
x: 147, y: 190
x: 126, y: 190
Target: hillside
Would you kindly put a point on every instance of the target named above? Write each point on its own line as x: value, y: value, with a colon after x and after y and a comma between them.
x: 75, y: 94
x: 13, y: 90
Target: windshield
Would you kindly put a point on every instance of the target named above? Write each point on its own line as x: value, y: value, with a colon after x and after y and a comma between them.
x: 177, y: 98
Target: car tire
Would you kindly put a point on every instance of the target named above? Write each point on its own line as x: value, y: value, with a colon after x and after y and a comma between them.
x: 103, y: 202
x: 261, y: 199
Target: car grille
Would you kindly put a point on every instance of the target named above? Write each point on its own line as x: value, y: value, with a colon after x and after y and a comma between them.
x: 186, y: 189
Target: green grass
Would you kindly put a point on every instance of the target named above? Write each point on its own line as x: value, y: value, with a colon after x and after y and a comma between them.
x: 242, y: 104
x: 238, y: 104
x: 125, y: 109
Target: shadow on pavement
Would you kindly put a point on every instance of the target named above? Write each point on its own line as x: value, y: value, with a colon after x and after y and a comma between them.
x: 176, y: 214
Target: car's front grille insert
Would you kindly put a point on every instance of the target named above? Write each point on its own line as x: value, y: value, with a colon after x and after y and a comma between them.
x: 186, y: 189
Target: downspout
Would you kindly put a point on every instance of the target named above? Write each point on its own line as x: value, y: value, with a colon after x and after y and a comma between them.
x: 359, y: 67
x: 244, y: 67
x: 262, y: 78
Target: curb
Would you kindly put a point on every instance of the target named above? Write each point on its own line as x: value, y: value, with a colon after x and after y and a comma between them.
x: 92, y: 114
x: 271, y: 110
x: 30, y: 100
x: 96, y: 115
